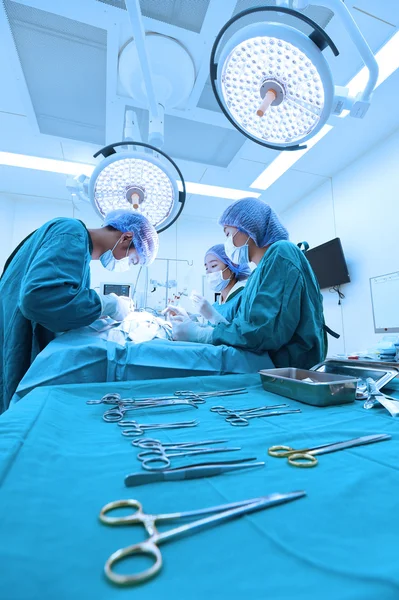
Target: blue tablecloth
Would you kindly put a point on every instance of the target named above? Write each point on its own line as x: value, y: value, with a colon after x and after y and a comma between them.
x: 60, y: 463
x: 85, y: 356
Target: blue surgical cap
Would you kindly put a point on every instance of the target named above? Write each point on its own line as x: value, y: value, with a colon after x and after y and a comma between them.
x: 256, y: 219
x: 145, y: 237
x: 240, y: 271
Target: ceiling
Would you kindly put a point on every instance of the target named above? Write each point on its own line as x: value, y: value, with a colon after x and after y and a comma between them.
x: 61, y: 97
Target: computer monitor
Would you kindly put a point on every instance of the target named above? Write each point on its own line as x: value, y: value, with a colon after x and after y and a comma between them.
x: 328, y: 264
x: 384, y: 298
x: 120, y: 289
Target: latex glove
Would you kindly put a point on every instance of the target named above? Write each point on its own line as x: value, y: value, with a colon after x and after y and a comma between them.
x: 206, y: 309
x: 116, y: 307
x: 188, y: 331
x: 173, y: 311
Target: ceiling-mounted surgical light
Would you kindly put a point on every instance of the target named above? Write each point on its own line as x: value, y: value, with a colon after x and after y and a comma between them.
x: 273, y: 82
x: 145, y: 179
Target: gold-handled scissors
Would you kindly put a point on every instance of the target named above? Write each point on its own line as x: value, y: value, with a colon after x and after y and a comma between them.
x: 306, y: 458
x: 149, y: 547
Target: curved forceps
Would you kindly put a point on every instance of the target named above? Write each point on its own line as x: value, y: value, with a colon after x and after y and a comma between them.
x: 205, y: 395
x: 115, y: 399
x: 134, y: 428
x: 160, y: 453
x: 116, y: 413
x: 243, y: 420
x: 149, y: 547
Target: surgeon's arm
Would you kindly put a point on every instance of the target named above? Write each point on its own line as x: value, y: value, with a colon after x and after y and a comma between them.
x: 273, y: 316
x: 53, y: 292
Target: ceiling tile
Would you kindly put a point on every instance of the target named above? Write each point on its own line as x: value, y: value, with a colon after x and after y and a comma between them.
x: 64, y: 64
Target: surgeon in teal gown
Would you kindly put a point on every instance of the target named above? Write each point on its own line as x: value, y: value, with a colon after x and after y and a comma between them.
x: 281, y: 308
x: 45, y: 285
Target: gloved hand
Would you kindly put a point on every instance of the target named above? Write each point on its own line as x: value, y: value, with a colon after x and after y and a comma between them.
x: 173, y: 311
x: 205, y: 309
x: 186, y: 330
x: 116, y: 307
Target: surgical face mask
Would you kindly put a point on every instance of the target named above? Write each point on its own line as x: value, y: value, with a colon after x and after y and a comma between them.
x: 238, y: 256
x: 216, y: 282
x: 111, y: 263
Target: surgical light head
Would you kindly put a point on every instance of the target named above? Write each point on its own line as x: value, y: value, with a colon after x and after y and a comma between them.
x: 273, y: 82
x: 143, y: 179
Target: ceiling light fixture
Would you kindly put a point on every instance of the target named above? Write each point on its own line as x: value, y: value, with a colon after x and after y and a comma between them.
x: 388, y: 61
x: 274, y: 83
x: 143, y: 179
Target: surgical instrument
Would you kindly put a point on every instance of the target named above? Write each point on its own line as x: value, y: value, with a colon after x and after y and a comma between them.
x: 134, y: 428
x: 149, y: 547
x: 375, y: 396
x: 115, y: 398
x: 116, y: 413
x: 306, y: 456
x: 241, y: 417
x: 158, y: 452
x: 220, y: 393
x: 191, y: 471
x: 224, y: 412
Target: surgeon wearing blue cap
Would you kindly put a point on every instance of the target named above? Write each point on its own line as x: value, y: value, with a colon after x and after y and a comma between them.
x: 45, y: 285
x: 223, y: 277
x: 281, y: 310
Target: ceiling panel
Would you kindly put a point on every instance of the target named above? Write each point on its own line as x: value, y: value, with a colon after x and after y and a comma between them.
x: 207, y: 99
x: 319, y: 14
x: 388, y: 10
x: 29, y: 182
x: 240, y: 176
x: 200, y: 142
x: 64, y: 64
x: 348, y: 63
x: 202, y: 206
x: 117, y: 3
x: 16, y: 136
x: 289, y: 188
x: 187, y: 14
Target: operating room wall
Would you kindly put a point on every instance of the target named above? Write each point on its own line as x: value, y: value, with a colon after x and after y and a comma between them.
x: 359, y: 205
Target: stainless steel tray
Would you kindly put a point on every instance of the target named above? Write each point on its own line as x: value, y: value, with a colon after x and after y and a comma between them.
x: 325, y: 389
x: 382, y: 374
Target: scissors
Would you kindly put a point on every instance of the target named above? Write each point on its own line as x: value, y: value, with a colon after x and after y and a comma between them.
x: 116, y: 413
x: 305, y: 457
x: 149, y: 547
x: 156, y: 455
x: 241, y: 417
x: 135, y: 428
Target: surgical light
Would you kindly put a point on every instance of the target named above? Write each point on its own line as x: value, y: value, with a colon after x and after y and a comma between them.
x: 144, y: 179
x: 273, y: 82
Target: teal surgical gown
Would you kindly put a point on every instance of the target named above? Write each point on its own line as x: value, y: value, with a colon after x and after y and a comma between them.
x: 230, y: 308
x: 45, y: 289
x: 281, y: 311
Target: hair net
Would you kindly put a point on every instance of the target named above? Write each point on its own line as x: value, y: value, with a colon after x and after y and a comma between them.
x: 256, y: 219
x: 240, y: 271
x: 145, y: 237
